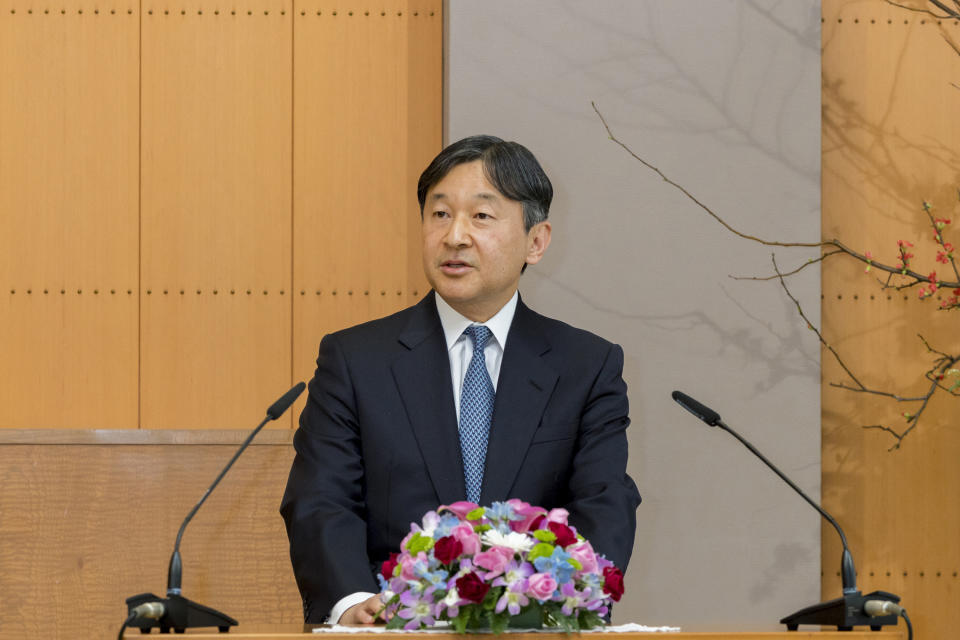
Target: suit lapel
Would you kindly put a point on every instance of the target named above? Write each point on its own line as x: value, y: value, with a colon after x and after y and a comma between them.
x: 422, y: 375
x: 523, y: 389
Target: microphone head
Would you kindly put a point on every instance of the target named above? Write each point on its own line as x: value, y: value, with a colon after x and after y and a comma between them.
x: 277, y: 408
x: 703, y: 412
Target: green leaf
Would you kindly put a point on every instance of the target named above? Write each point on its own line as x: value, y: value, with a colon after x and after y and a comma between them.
x: 498, y: 622
x: 575, y: 563
x: 418, y: 543
x: 461, y: 621
x: 476, y: 514
x: 542, y: 550
x: 396, y: 622
x: 480, y: 528
x: 544, y: 535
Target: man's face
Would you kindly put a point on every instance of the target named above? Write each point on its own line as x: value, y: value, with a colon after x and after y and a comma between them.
x: 474, y: 243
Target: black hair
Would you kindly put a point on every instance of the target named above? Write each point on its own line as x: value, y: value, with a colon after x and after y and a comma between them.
x: 509, y: 166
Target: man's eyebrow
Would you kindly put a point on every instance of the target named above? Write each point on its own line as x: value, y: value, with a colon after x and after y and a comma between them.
x: 483, y: 195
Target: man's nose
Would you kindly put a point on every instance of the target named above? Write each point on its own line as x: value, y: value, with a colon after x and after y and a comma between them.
x: 458, y: 234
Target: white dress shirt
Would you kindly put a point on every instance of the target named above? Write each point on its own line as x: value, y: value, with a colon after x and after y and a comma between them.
x: 460, y: 352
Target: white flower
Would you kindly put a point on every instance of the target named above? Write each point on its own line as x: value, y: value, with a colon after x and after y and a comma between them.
x: 513, y: 540
x: 452, y: 598
x: 430, y: 522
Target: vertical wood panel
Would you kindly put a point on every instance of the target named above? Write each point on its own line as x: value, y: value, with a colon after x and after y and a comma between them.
x: 890, y: 142
x: 367, y: 120
x: 68, y: 214
x: 216, y: 212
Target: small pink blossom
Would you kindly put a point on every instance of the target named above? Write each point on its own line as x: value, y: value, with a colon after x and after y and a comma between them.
x: 541, y: 586
x: 465, y: 534
x: 493, y: 560
x: 460, y: 509
x: 583, y: 553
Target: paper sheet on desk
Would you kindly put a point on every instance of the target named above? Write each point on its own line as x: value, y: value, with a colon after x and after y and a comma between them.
x: 617, y: 628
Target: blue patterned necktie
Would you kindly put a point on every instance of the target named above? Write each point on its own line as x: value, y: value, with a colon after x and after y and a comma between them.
x: 476, y: 410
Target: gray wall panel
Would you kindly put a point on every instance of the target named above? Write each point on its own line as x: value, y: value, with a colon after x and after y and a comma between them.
x: 723, y: 96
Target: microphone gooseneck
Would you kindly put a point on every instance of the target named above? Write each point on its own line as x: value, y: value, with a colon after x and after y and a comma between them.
x: 176, y: 612
x: 844, y: 612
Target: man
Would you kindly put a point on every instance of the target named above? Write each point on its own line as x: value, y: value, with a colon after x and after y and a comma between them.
x: 467, y: 395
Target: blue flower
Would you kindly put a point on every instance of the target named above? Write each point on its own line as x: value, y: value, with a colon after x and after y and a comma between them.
x: 557, y: 565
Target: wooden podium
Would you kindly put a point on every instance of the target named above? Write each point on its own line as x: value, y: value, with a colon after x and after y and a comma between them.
x: 301, y: 632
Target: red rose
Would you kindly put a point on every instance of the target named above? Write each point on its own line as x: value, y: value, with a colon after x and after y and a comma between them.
x: 564, y: 534
x: 537, y: 522
x: 472, y: 588
x: 447, y: 549
x: 386, y: 569
x: 613, y: 583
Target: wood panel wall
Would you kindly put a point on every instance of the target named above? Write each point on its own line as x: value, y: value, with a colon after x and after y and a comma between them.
x: 890, y: 142
x: 191, y: 194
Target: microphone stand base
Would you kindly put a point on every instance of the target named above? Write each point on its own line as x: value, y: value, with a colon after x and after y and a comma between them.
x: 179, y: 615
x: 843, y: 613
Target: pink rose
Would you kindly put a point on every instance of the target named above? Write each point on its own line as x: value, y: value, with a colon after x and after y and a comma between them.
x: 465, y: 534
x: 541, y: 586
x: 584, y: 554
x: 406, y: 565
x: 558, y: 515
x: 528, y: 512
x: 493, y: 561
x: 460, y: 509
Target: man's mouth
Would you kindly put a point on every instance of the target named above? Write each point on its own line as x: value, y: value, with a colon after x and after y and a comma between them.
x: 454, y: 266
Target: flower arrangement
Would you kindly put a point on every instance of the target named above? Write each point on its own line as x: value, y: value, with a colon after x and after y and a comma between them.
x: 476, y: 566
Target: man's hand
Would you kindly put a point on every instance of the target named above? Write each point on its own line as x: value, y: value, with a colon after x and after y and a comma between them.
x: 367, y: 612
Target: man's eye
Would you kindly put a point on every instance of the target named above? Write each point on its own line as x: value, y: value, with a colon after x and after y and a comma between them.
x: 483, y: 216
x: 440, y: 214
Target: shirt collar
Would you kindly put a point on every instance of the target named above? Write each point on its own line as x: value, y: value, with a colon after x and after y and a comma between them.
x: 454, y: 323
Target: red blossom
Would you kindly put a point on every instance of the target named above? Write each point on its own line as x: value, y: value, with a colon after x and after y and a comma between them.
x: 904, y: 243
x: 613, y: 583
x: 386, y: 569
x: 447, y: 549
x: 933, y: 278
x: 472, y: 588
x: 565, y: 535
x: 942, y: 257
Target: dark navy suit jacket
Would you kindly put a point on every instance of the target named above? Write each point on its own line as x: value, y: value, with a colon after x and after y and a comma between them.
x: 378, y: 445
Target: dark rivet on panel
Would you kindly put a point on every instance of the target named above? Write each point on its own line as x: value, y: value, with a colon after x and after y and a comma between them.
x: 198, y: 291
x: 215, y: 292
x: 29, y: 291
x: 46, y: 291
x: 166, y: 12
x: 921, y: 574
x: 431, y: 14
x: 888, y: 574
x: 399, y: 13
x: 399, y: 293
x: 113, y: 11
x: 13, y: 11
x: 303, y: 13
x: 414, y: 293
x: 366, y: 293
x: 216, y: 12
x: 46, y: 11
x: 350, y: 292
x: 318, y: 291
x: 872, y: 21
x: 416, y: 13
x: 248, y: 292
x: 13, y: 291
x: 150, y: 12
x: 840, y: 20
x: 182, y: 292
x: 266, y: 13
x: 383, y: 13
x: 283, y: 13
x: 871, y: 574
x: 149, y: 291
x: 383, y: 293
x: 923, y: 22
x: 62, y: 291
x: 129, y: 12
x: 264, y: 292
x: 904, y: 574
x: 183, y: 12
x: 79, y: 292
x: 113, y: 292
x: 302, y: 292
x: 334, y: 292
x: 889, y: 21
x: 856, y: 297
x: 96, y: 292
x: 165, y: 292
x: 233, y: 12
x: 318, y: 13
x: 96, y: 11
x: 871, y: 296
x: 232, y: 291
x: 366, y: 13
x: 30, y: 11
x: 350, y: 13
x: 281, y: 291
x: 199, y: 12
x: 249, y: 13
x: 839, y: 296
x: 856, y: 20
x: 889, y: 297
x: 80, y: 11
x: 938, y: 574
x: 334, y: 13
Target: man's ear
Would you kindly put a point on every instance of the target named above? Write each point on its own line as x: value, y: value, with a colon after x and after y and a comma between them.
x: 538, y: 239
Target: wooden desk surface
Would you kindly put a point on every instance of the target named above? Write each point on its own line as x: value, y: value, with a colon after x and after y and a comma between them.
x: 299, y: 632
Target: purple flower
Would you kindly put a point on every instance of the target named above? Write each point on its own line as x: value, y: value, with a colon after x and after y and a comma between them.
x: 515, y: 573
x: 573, y: 600
x: 419, y: 609
x: 512, y: 600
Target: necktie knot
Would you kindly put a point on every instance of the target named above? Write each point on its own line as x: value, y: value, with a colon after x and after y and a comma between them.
x: 480, y: 336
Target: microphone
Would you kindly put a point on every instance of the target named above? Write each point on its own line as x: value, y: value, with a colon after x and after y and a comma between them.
x: 176, y: 612
x: 844, y: 612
